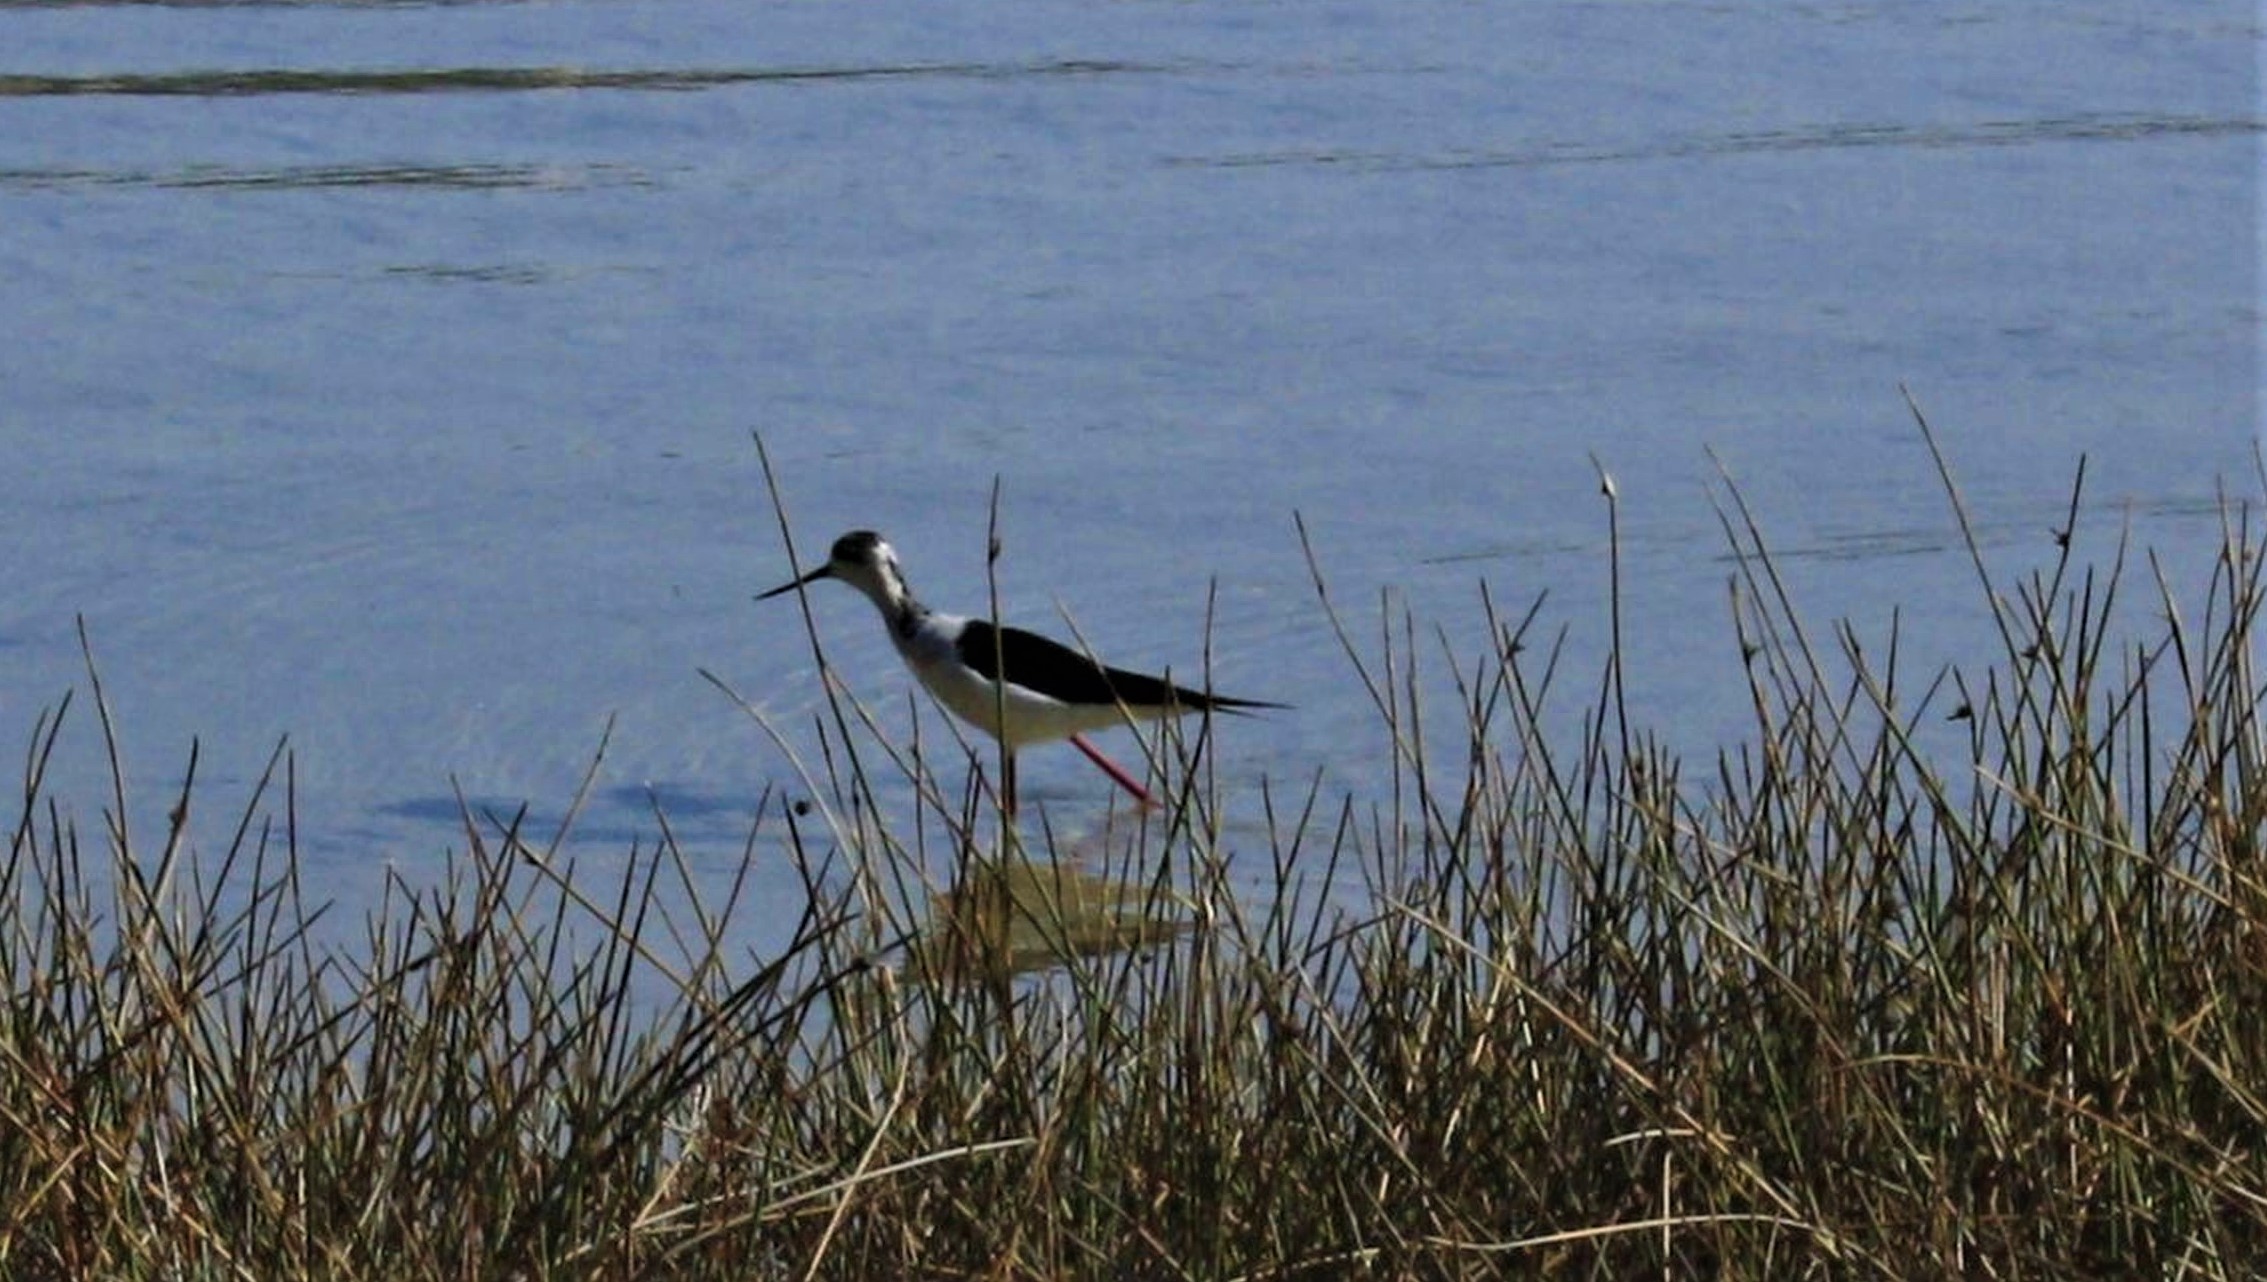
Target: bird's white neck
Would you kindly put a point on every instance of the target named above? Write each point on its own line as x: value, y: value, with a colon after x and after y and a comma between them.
x: 884, y: 585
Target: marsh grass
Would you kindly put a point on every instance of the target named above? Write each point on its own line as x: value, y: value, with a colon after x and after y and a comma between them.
x: 1963, y: 975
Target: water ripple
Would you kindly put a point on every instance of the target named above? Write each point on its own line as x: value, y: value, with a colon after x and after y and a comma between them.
x: 464, y: 177
x: 1988, y: 133
x: 414, y: 80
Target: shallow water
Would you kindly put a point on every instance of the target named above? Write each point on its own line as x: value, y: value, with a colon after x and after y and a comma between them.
x: 385, y: 375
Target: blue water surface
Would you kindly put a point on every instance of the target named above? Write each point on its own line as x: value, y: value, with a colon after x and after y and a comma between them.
x: 388, y: 376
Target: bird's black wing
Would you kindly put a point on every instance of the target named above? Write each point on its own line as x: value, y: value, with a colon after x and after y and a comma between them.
x: 1054, y: 669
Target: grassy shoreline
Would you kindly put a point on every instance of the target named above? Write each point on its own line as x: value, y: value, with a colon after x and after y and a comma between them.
x: 1829, y: 1005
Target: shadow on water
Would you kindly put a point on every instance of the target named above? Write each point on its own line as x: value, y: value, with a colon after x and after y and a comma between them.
x: 613, y: 816
x: 1002, y: 914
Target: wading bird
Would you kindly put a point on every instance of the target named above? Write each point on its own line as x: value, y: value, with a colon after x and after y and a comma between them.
x: 1016, y: 686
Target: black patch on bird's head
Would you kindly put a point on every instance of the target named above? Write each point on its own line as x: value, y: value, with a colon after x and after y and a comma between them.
x: 863, y: 560
x: 856, y: 548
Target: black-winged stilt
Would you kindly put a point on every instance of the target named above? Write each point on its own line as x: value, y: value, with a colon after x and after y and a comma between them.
x: 1048, y: 690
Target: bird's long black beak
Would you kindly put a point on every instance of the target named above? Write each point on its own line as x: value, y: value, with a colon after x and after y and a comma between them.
x: 823, y: 572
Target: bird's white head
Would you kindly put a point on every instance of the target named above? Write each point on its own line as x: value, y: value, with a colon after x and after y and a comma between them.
x: 865, y: 561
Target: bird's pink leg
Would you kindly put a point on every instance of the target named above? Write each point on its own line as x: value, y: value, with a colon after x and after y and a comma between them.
x: 1112, y: 769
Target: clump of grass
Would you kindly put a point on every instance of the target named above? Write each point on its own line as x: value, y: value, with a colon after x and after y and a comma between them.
x: 1860, y: 997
